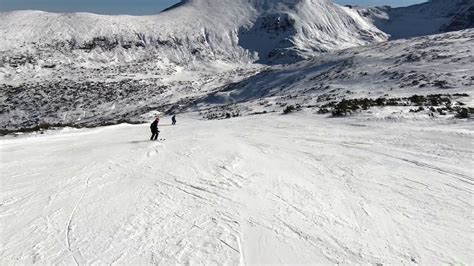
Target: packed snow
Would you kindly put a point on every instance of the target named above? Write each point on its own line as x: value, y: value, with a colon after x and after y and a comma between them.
x: 260, y: 189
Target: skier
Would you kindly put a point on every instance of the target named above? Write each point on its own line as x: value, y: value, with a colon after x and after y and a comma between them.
x: 154, y: 129
x: 173, y: 120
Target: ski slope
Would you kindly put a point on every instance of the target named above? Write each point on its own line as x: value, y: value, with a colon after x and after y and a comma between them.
x: 273, y: 189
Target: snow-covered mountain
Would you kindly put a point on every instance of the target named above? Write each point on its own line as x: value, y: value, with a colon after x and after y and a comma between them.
x: 432, y: 17
x: 357, y: 152
x: 85, y: 69
x: 232, y: 30
x: 438, y: 64
x: 186, y: 50
x: 425, y: 65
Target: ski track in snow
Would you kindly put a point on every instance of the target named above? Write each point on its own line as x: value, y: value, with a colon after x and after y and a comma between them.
x: 261, y: 189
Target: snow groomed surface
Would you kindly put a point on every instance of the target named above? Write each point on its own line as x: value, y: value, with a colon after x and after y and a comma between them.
x: 261, y: 189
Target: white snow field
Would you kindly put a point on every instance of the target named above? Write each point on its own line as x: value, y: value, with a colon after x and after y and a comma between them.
x: 275, y: 189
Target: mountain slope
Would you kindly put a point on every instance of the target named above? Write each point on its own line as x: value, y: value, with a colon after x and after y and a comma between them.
x: 297, y: 189
x: 80, y: 67
x: 368, y: 165
x: 90, y: 70
x: 189, y: 31
x: 436, y: 64
x: 433, y: 17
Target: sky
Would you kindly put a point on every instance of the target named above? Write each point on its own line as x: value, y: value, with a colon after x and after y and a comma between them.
x: 138, y: 7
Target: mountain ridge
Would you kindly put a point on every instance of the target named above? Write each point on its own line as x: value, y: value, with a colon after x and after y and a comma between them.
x: 334, y: 28
x: 427, y: 18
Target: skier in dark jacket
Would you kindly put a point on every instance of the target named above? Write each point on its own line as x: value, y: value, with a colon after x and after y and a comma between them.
x: 154, y: 129
x: 173, y: 120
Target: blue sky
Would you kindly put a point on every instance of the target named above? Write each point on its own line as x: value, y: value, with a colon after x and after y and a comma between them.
x: 138, y: 7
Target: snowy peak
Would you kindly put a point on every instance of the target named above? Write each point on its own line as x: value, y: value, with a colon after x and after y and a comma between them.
x: 269, y: 31
x: 291, y: 30
x: 261, y: 4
